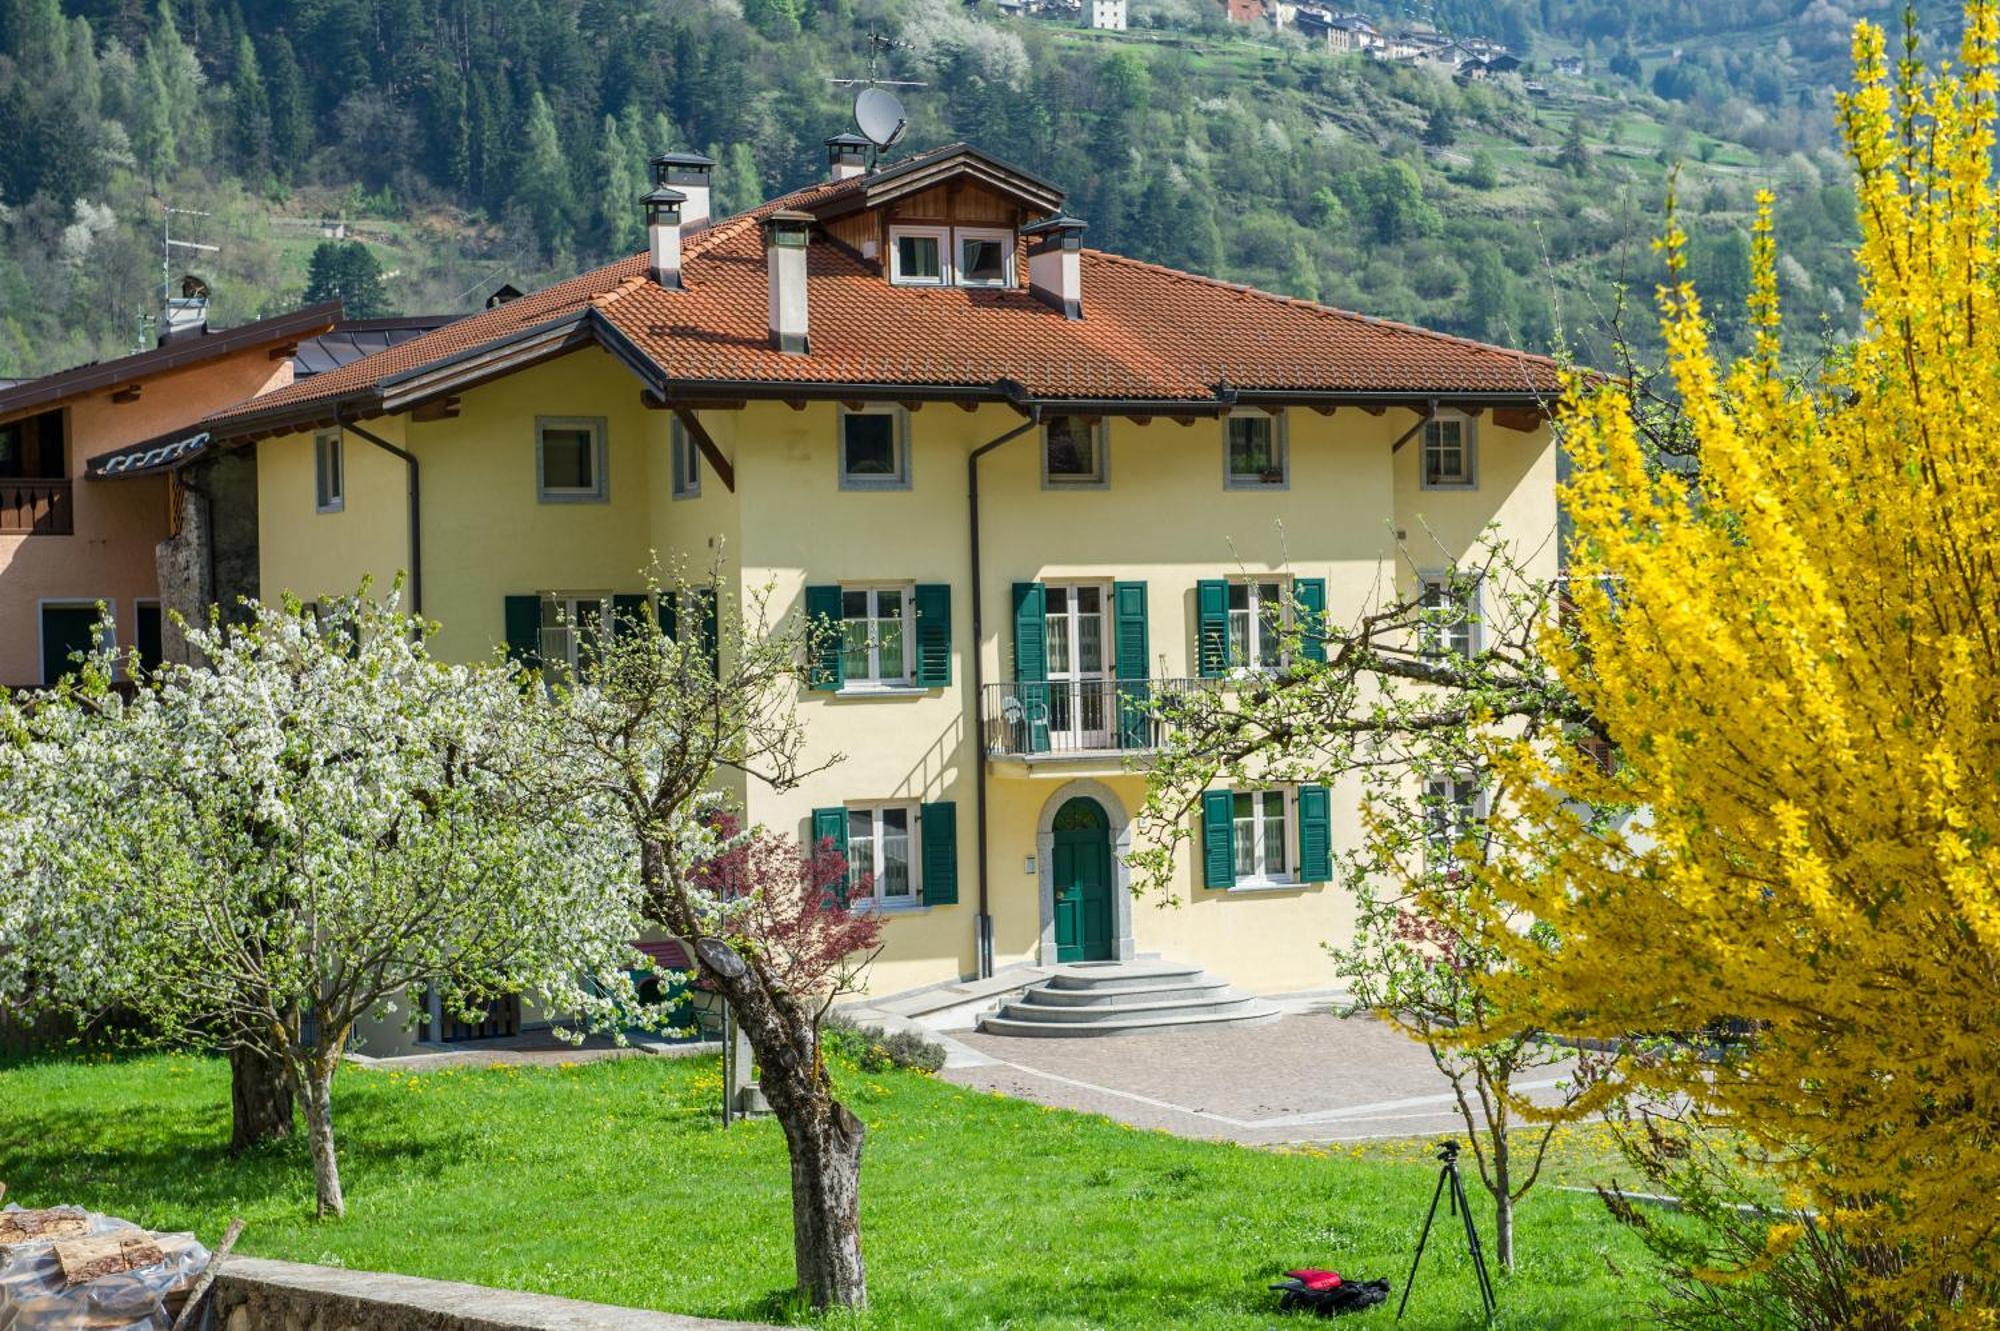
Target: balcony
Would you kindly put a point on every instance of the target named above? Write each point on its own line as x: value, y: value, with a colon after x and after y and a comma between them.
x: 1078, y: 723
x: 36, y: 507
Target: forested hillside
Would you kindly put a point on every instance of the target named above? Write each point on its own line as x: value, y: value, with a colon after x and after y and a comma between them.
x: 472, y: 142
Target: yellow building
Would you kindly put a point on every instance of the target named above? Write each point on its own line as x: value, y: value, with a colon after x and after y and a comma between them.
x: 1035, y: 484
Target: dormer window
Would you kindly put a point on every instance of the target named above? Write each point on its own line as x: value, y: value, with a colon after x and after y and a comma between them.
x: 951, y: 256
x: 985, y: 258
x: 917, y: 255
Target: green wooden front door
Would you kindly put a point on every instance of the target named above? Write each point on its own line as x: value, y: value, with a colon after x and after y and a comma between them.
x: 1082, y: 882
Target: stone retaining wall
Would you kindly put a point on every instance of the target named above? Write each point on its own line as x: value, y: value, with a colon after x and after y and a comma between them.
x: 252, y: 1294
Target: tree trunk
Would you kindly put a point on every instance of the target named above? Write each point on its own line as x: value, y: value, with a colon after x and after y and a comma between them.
x: 318, y: 1095
x: 1503, y: 1190
x: 260, y: 1099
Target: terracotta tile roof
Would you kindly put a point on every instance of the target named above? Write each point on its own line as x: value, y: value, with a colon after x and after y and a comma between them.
x: 1148, y: 333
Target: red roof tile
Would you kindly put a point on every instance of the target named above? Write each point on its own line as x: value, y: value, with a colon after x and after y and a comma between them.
x: 1148, y: 333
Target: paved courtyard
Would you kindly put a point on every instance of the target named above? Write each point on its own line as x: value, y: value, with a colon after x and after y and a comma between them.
x: 1309, y: 1077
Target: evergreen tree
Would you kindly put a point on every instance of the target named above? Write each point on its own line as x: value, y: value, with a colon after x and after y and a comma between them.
x: 291, y: 118
x: 250, y: 115
x: 1440, y: 130
x: 542, y: 185
x: 1575, y: 156
x: 1487, y: 313
x: 347, y: 271
x: 618, y: 217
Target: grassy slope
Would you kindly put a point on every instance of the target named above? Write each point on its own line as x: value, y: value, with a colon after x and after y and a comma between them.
x: 613, y: 1181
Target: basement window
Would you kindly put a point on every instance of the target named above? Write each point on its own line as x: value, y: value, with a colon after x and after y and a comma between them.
x: 329, y: 473
x: 569, y: 459
x: 917, y: 256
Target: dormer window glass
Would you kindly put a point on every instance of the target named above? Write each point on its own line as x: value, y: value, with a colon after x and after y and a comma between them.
x: 985, y: 258
x: 917, y: 256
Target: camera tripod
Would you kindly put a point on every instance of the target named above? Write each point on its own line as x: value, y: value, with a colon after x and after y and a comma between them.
x: 1447, y: 1154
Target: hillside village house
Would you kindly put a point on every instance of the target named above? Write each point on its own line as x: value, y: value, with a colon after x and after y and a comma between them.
x: 1030, y: 480
x: 67, y: 546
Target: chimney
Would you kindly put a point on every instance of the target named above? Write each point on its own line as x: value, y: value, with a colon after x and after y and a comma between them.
x: 186, y: 315
x: 663, y: 234
x: 785, y: 236
x: 847, y: 156
x: 691, y: 174
x: 1055, y: 264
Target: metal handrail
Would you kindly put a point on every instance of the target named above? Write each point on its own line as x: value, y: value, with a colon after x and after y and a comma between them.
x: 1037, y: 719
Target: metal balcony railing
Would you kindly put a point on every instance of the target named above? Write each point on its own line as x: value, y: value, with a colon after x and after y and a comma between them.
x: 1089, y: 716
x: 37, y: 508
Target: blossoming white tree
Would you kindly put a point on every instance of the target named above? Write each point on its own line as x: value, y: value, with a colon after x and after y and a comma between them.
x: 319, y: 823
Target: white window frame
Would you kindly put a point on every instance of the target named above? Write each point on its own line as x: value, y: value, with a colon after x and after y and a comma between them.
x: 1280, y: 443
x: 942, y: 235
x: 1440, y: 641
x: 596, y: 493
x: 684, y: 463
x: 1259, y: 875
x: 962, y: 234
x: 1100, y: 442
x: 875, y: 900
x: 1442, y: 793
x: 900, y: 421
x: 1468, y: 452
x: 874, y: 680
x: 105, y: 639
x: 329, y: 459
x: 568, y: 625
x: 1254, y: 638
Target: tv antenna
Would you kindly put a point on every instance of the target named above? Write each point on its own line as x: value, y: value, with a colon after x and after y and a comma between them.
x: 168, y: 245
x: 878, y: 113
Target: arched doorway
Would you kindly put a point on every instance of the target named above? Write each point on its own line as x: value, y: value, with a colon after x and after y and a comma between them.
x: 1081, y: 871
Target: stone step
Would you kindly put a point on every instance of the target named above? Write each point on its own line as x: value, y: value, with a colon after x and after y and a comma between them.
x: 1253, y: 1014
x: 1027, y: 1009
x: 1119, y: 997
x: 1122, y: 975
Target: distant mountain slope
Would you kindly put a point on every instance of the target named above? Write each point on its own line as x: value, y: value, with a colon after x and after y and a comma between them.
x: 473, y: 142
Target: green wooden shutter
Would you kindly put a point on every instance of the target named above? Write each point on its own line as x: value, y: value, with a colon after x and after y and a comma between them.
x: 669, y: 609
x: 1312, y: 617
x: 524, y: 631
x: 1132, y: 651
x: 1211, y: 644
x: 710, y: 628
x: 823, y: 613
x: 627, y: 614
x: 1031, y: 665
x: 939, y: 824
x: 831, y: 825
x: 1315, y: 834
x: 1218, y: 839
x: 934, y: 634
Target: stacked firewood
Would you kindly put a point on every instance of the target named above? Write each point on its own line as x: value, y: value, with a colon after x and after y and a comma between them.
x: 65, y: 1269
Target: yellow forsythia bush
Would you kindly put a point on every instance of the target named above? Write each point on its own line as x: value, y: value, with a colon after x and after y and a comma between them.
x: 1796, y: 651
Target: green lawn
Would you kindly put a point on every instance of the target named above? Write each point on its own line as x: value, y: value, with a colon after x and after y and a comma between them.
x: 614, y: 1181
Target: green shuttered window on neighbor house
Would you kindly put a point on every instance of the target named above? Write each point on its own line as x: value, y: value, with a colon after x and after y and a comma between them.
x: 1311, y: 596
x: 823, y: 617
x: 1315, y: 835
x: 709, y: 627
x: 938, y: 825
x: 629, y: 613
x: 1218, y: 839
x: 933, y: 602
x: 1211, y: 641
x: 524, y: 631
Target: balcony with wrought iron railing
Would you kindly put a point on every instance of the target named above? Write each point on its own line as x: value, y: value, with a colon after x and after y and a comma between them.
x: 36, y: 507
x: 1107, y: 720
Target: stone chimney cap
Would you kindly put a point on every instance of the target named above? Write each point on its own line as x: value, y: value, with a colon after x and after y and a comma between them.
x: 848, y: 141
x: 789, y: 217
x: 1048, y: 224
x: 683, y: 159
x: 664, y: 194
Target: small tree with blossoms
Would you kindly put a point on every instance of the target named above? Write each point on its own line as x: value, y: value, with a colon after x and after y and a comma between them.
x: 789, y: 907
x: 318, y: 823
x: 656, y: 727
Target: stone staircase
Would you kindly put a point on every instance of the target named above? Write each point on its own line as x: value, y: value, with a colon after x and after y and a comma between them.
x: 1125, y: 998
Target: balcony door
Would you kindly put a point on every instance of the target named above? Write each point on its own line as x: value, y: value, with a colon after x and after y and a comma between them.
x: 1080, y: 702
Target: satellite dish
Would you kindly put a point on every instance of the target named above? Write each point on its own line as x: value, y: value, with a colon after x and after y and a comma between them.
x: 879, y: 116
